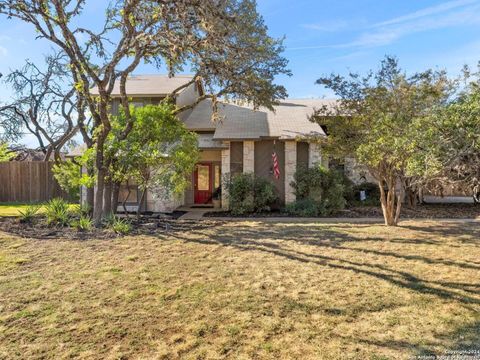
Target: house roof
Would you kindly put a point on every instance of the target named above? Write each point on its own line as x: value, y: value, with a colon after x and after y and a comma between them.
x: 150, y: 85
x: 288, y: 121
x: 77, y: 150
x: 25, y: 154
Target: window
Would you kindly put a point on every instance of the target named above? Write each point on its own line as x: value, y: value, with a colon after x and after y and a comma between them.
x: 216, y: 180
x: 203, y: 174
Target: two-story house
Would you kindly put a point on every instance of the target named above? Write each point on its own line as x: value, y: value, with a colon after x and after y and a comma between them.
x: 243, y: 141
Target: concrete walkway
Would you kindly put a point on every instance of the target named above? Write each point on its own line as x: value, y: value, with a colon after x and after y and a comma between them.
x: 195, y: 213
x: 198, y: 215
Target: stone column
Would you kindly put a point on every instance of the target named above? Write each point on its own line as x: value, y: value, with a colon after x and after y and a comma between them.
x: 314, y: 155
x: 225, y: 174
x: 248, y: 157
x: 290, y: 169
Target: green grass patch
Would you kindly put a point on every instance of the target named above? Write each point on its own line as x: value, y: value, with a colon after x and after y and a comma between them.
x: 13, y: 209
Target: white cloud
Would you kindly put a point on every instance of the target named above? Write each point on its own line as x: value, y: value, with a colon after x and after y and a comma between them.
x: 327, y: 26
x: 455, y: 4
x: 386, y: 34
x: 3, y: 51
x: 449, y: 14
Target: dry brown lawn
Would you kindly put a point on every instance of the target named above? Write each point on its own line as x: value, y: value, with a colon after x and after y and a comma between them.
x: 244, y: 290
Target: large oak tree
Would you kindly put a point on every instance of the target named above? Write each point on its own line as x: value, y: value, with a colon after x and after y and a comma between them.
x: 44, y: 104
x: 225, y: 42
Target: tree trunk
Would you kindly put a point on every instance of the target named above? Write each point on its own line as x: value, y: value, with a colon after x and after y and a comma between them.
x: 391, y: 203
x: 107, y: 198
x: 140, y: 202
x: 411, y: 197
x: 115, y: 194
x: 90, y: 200
x: 101, y: 172
x: 124, y: 203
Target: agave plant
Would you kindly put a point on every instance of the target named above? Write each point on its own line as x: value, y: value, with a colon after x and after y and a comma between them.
x: 57, y: 212
x: 27, y: 215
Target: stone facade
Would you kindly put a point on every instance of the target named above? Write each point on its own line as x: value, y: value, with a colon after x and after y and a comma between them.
x: 157, y: 201
x: 290, y: 169
x: 248, y: 157
x: 314, y: 155
x: 357, y: 173
x: 225, y: 174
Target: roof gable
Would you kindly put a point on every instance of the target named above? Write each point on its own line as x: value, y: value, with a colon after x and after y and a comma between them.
x: 150, y: 85
x: 290, y: 120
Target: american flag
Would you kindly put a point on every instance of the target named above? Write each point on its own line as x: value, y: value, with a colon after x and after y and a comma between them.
x: 276, y: 168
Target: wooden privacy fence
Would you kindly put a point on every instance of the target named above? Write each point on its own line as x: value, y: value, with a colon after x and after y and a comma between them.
x: 29, y: 181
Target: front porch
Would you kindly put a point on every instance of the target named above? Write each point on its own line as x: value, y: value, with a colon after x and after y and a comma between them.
x: 205, y: 188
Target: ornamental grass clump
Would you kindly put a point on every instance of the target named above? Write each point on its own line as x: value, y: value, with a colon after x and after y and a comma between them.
x: 30, y: 212
x: 57, y: 212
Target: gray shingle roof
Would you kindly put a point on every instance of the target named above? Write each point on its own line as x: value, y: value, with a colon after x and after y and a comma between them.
x: 289, y: 121
x: 150, y: 85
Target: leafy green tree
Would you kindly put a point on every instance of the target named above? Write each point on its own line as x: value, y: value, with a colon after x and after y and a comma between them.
x: 5, y: 153
x: 226, y: 43
x: 449, y: 143
x: 71, y: 174
x: 159, y: 153
x: 373, y: 121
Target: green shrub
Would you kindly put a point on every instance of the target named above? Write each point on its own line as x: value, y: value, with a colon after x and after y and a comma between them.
x: 303, y: 208
x: 83, y: 210
x: 250, y: 194
x: 372, y: 192
x: 27, y: 215
x: 324, y: 187
x: 118, y: 225
x: 57, y: 212
x: 84, y: 223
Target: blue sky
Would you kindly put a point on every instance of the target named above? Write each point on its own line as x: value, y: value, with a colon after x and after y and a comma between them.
x: 326, y: 36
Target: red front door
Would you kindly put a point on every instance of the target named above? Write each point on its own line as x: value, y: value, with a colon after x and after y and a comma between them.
x: 203, y: 184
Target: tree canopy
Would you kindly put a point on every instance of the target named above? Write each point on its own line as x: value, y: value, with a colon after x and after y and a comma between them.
x: 226, y: 43
x: 5, y: 153
x: 44, y: 105
x: 449, y: 143
x: 373, y: 121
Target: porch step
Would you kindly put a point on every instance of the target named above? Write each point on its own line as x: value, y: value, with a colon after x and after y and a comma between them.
x: 194, y: 214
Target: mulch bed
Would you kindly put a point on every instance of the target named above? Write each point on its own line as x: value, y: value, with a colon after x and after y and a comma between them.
x: 147, y: 225
x: 155, y: 224
x: 426, y: 211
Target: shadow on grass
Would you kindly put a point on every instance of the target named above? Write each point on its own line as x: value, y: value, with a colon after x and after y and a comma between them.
x: 247, y: 238
x: 463, y: 343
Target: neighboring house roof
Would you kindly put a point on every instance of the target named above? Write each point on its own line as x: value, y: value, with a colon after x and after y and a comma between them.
x: 290, y: 120
x: 77, y: 151
x: 150, y: 85
x: 24, y: 154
